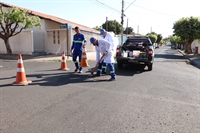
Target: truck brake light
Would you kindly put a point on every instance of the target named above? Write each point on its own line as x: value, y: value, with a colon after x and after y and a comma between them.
x: 150, y: 52
x: 118, y: 51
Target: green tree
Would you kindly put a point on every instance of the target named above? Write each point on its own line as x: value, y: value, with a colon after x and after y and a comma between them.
x: 97, y: 28
x: 176, y: 40
x: 13, y: 21
x: 128, y: 30
x: 159, y: 38
x: 152, y: 36
x: 113, y: 26
x: 173, y: 39
x: 188, y: 29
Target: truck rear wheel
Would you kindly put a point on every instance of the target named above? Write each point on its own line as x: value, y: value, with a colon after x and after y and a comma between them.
x: 150, y: 66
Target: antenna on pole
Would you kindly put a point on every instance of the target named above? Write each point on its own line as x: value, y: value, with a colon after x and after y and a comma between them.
x: 122, y: 21
x: 127, y: 28
x: 115, y: 26
x: 106, y: 23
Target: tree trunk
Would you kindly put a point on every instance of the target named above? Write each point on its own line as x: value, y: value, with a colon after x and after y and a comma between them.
x: 188, y: 49
x: 179, y: 46
x: 184, y: 46
x: 8, y: 48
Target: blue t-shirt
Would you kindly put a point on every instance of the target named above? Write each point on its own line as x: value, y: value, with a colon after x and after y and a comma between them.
x: 78, y: 41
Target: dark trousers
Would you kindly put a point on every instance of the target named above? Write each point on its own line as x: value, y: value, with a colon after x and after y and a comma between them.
x: 74, y: 57
x: 101, y: 68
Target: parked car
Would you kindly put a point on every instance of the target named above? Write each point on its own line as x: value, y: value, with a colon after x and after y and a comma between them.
x: 173, y: 46
x: 136, y: 49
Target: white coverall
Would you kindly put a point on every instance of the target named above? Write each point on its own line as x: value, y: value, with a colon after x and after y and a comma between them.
x: 113, y: 40
x: 104, y: 46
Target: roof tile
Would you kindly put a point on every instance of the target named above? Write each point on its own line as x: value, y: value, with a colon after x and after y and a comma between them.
x: 53, y: 18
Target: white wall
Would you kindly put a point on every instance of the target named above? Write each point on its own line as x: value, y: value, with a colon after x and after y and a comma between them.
x: 60, y: 43
x: 51, y: 25
x: 20, y: 44
x: 194, y: 44
x: 39, y: 41
x: 38, y: 37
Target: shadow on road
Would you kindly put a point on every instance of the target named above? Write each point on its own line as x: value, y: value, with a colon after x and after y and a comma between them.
x: 130, y: 69
x: 168, y: 56
x: 59, y: 79
x: 55, y: 77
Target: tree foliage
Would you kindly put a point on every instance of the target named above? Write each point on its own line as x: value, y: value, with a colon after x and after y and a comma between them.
x: 97, y: 28
x: 113, y: 26
x: 159, y: 38
x: 175, y: 39
x: 153, y: 36
x: 128, y: 30
x: 188, y: 29
x: 13, y: 21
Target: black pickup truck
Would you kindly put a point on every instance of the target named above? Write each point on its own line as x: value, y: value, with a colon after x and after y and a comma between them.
x: 136, y: 49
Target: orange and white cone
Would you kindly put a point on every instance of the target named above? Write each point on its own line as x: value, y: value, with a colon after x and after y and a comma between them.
x: 21, y: 76
x: 63, y: 62
x: 84, y: 61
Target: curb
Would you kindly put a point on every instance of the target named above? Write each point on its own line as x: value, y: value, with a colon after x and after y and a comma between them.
x: 190, y: 60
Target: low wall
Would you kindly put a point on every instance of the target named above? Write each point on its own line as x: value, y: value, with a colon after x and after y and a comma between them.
x: 20, y: 44
x: 195, y: 43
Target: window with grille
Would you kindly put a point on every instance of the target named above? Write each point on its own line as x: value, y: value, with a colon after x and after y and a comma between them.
x: 56, y: 37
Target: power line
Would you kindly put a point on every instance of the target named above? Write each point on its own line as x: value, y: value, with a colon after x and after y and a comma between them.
x: 115, y: 10
x: 134, y: 5
x: 130, y: 5
x: 107, y: 6
x: 155, y: 11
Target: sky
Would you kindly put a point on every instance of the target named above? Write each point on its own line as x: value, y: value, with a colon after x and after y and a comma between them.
x: 143, y: 16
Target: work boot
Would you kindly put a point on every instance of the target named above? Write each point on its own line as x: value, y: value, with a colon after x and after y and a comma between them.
x: 103, y: 73
x: 76, y: 70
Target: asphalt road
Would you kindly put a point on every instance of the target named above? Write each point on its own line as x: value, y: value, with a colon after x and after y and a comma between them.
x: 164, y: 100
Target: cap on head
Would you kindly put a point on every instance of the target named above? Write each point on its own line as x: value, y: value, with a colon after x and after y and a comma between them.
x: 92, y: 40
x: 102, y: 31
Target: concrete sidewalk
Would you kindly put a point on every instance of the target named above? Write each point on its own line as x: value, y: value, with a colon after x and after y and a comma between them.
x: 26, y: 58
x: 194, y: 59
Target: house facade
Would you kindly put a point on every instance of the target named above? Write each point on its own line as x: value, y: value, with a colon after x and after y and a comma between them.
x: 53, y: 38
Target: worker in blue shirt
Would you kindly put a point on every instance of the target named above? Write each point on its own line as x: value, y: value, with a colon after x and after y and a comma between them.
x: 78, y: 44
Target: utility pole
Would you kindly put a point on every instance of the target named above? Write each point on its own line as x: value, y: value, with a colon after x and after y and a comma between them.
x: 106, y: 23
x: 115, y: 26
x: 127, y: 28
x: 122, y: 18
x: 138, y: 30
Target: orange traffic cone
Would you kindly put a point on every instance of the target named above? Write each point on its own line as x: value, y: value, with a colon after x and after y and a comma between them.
x: 63, y: 62
x: 21, y: 76
x: 84, y: 61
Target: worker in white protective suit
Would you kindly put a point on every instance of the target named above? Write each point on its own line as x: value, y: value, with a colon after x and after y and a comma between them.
x: 109, y: 36
x: 104, y: 48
